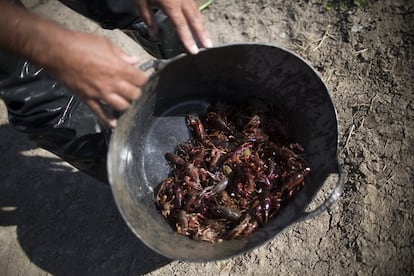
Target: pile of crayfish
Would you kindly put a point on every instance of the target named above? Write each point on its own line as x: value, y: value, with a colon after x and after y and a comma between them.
x: 236, y: 172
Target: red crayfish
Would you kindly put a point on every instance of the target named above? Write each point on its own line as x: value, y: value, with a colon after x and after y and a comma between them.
x: 235, y: 174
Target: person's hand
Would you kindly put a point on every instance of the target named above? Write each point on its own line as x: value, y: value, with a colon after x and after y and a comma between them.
x: 185, y: 17
x: 98, y: 72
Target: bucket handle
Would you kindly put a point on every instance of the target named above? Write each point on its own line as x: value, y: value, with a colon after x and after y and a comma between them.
x: 156, y: 64
x: 333, y: 197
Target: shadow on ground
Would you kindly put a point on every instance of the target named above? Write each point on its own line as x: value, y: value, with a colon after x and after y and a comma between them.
x: 67, y: 223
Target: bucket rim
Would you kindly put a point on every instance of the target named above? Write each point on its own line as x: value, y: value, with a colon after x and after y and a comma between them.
x: 159, y: 66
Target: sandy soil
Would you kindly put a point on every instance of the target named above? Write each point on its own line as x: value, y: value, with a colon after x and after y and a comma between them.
x: 55, y: 220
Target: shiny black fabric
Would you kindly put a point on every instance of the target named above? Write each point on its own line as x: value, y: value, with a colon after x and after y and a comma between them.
x: 53, y: 117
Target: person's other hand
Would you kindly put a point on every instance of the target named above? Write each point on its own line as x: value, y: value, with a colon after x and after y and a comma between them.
x: 185, y: 17
x: 98, y: 72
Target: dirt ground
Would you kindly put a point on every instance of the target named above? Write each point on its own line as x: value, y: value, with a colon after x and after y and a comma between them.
x: 56, y: 220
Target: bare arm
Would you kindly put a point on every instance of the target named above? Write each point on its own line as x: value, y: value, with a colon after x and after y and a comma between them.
x: 90, y: 65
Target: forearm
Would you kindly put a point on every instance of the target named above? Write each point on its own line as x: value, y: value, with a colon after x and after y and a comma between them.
x: 91, y: 66
x: 30, y: 36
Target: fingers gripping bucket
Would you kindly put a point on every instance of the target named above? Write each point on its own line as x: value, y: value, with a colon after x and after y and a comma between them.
x: 155, y: 124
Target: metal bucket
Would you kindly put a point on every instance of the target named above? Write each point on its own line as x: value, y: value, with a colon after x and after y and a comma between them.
x: 155, y: 124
